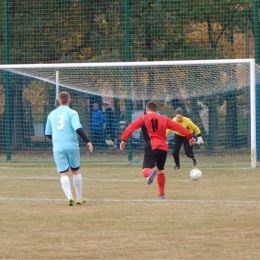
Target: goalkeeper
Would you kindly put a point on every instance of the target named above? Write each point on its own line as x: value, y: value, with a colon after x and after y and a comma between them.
x: 180, y: 139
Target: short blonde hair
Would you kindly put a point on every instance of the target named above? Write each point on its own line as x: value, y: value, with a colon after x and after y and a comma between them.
x: 64, y: 97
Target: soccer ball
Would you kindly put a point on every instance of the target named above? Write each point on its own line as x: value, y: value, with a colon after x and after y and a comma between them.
x: 195, y: 174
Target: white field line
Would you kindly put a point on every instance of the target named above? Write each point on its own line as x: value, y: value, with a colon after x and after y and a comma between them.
x: 118, y: 200
x: 105, y: 180
x: 87, y: 179
x: 168, y: 169
x: 241, y: 202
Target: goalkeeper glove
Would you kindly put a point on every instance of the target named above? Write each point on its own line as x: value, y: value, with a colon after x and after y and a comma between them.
x: 200, y: 140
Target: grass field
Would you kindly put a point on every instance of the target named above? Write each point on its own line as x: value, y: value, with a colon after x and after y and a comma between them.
x: 217, y: 217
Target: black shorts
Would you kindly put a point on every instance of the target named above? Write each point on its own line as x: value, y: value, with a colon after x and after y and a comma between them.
x: 155, y: 158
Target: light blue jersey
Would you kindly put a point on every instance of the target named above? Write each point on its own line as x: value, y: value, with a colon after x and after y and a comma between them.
x: 62, y: 124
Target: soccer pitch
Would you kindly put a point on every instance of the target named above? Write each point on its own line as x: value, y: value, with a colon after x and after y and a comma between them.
x: 214, y: 218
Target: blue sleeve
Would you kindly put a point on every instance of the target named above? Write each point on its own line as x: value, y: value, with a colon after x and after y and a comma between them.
x: 75, y: 121
x: 48, y: 129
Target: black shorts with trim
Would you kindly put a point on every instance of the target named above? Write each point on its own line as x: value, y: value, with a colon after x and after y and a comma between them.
x: 154, y: 158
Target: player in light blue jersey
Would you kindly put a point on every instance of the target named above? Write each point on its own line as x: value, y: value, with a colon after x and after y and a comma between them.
x: 62, y: 127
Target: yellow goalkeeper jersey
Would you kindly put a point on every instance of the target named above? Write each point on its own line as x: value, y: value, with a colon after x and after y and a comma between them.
x: 188, y: 124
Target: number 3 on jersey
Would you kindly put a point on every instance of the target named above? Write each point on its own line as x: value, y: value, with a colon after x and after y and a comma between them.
x: 60, y: 121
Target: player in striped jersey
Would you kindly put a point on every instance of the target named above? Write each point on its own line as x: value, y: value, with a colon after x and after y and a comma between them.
x: 154, y: 128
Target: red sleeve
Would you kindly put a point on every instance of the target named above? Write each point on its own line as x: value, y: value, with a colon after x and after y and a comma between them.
x: 179, y: 128
x: 138, y: 123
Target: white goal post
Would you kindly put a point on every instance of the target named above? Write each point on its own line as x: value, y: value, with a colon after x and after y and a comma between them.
x: 162, y: 80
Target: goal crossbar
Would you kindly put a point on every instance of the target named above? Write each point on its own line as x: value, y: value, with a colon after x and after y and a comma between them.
x: 126, y: 64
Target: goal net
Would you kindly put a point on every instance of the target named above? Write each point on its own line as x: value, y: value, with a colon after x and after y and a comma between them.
x: 218, y: 95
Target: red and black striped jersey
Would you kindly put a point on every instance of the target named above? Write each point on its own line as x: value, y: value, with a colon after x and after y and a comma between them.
x: 154, y: 130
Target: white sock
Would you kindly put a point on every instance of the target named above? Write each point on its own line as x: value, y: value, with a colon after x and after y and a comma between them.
x: 77, y: 181
x: 65, y: 184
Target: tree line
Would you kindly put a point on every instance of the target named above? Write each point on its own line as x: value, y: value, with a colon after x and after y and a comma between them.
x: 54, y: 31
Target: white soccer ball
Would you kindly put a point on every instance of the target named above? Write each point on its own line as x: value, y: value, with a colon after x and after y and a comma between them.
x: 195, y: 174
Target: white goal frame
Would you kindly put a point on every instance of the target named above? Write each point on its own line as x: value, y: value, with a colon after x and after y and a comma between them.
x: 252, y: 75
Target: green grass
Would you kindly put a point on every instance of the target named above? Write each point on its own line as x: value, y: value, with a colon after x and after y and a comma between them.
x: 214, y: 218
